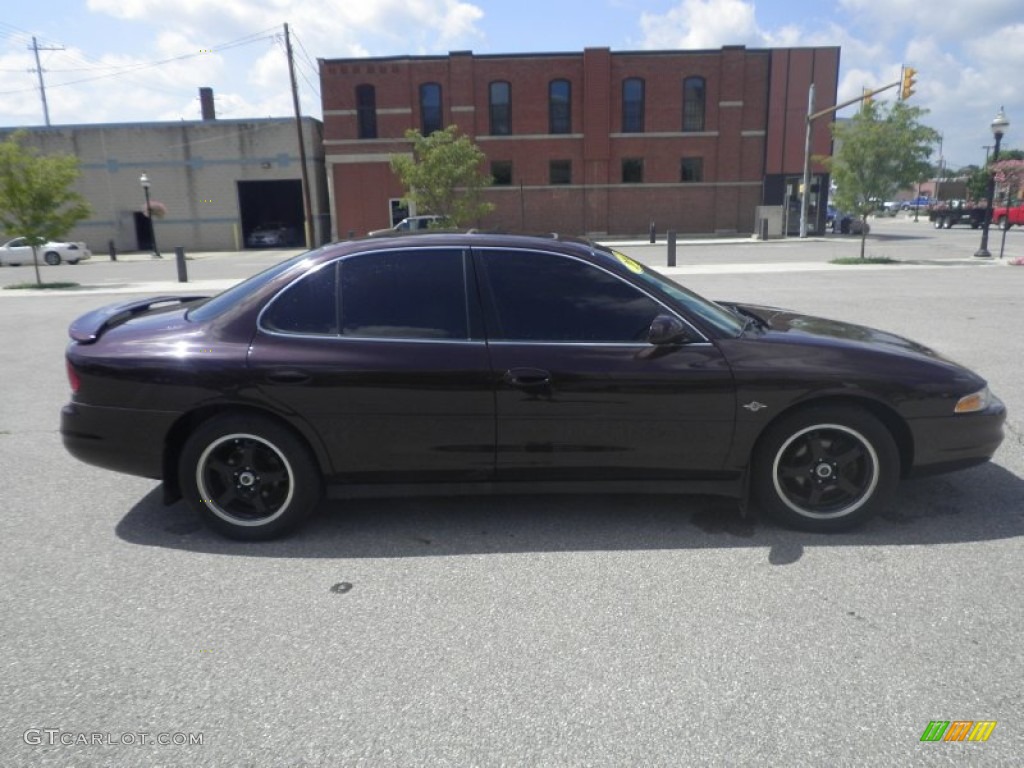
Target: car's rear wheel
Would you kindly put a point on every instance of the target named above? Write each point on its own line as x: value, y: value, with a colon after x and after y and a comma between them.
x: 249, y: 477
x: 1002, y: 223
x: 825, y: 468
x: 52, y: 258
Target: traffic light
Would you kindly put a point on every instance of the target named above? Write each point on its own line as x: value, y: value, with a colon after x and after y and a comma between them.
x: 908, y: 83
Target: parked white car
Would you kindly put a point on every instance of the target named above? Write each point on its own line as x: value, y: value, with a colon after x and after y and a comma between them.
x: 18, y: 252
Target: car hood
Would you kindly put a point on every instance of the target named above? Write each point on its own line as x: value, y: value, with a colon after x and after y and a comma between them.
x: 784, y: 321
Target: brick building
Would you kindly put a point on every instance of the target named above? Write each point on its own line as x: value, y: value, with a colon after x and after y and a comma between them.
x: 596, y: 142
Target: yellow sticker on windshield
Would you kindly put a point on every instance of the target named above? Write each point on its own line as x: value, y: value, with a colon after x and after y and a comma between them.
x: 632, y: 266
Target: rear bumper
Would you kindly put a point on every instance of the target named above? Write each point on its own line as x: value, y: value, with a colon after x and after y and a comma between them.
x: 958, y: 441
x: 119, y: 439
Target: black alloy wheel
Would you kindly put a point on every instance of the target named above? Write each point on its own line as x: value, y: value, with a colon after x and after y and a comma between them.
x: 248, y: 477
x: 826, y: 468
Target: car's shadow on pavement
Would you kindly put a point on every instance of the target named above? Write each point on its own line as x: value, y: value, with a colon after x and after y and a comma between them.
x: 976, y: 505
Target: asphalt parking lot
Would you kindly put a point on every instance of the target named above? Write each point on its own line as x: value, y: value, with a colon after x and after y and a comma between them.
x: 537, y: 630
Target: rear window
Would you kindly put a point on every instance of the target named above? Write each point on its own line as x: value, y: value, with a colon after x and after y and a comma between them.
x: 223, y: 301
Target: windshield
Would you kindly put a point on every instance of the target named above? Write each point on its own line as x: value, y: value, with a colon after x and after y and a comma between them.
x: 713, y: 314
x: 213, y: 306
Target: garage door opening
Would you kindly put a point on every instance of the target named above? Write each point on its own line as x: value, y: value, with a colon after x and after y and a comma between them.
x: 272, y: 214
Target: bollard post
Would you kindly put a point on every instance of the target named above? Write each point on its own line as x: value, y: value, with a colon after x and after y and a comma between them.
x: 652, y: 230
x: 351, y: 234
x: 671, y: 247
x: 112, y: 250
x: 179, y: 257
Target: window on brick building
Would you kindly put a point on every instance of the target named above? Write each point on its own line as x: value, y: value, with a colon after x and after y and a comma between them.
x: 366, y: 111
x: 501, y: 172
x: 430, y: 108
x: 632, y: 170
x: 691, y: 169
x: 501, y: 108
x: 633, y: 105
x: 560, y: 106
x: 560, y: 172
x: 694, y: 93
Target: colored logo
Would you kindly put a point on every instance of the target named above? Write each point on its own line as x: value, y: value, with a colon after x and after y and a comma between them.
x: 958, y: 730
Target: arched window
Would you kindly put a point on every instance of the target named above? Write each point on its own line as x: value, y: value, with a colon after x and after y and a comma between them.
x: 366, y: 111
x: 694, y: 98
x: 501, y: 108
x: 430, y: 108
x: 633, y: 105
x: 560, y: 106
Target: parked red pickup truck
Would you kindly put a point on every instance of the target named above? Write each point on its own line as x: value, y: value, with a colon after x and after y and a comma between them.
x: 1004, y: 217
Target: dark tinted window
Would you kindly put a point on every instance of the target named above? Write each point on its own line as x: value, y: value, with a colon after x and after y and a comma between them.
x: 693, y: 104
x: 239, y: 292
x: 560, y: 106
x: 543, y: 297
x: 501, y: 108
x: 632, y: 170
x: 501, y: 172
x: 560, y: 171
x: 417, y: 294
x: 430, y: 108
x: 633, y: 105
x: 691, y: 169
x: 309, y: 305
x: 366, y: 108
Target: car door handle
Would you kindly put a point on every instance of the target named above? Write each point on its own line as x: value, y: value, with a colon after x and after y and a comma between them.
x: 528, y: 378
x: 288, y: 377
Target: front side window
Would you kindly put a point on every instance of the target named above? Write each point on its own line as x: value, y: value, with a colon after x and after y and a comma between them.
x: 366, y: 111
x: 633, y: 105
x: 419, y: 294
x: 430, y: 108
x: 549, y: 298
x: 694, y: 92
x: 560, y: 106
x: 501, y: 108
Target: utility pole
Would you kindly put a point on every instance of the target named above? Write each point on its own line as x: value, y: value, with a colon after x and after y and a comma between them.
x: 36, y: 48
x: 302, y: 142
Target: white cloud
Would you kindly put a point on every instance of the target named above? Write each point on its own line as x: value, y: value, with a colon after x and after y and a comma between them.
x: 701, y: 24
x: 954, y: 20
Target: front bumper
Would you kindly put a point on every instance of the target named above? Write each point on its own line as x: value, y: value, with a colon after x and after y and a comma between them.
x: 957, y: 441
x: 120, y: 439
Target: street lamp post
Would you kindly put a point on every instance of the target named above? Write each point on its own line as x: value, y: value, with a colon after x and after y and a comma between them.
x: 999, y: 126
x: 144, y: 181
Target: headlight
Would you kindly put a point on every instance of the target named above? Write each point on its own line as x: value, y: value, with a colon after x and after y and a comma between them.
x: 976, y: 401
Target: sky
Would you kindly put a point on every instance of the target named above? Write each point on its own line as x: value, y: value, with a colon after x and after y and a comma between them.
x: 144, y: 60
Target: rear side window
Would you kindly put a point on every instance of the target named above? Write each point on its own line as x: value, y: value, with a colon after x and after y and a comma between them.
x: 416, y: 294
x: 307, y: 306
x: 545, y: 297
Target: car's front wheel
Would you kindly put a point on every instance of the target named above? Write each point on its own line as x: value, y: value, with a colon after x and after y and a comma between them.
x: 52, y: 258
x: 825, y: 468
x: 249, y: 477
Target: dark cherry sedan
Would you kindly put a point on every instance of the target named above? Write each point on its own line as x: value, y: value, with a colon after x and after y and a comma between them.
x: 452, y: 362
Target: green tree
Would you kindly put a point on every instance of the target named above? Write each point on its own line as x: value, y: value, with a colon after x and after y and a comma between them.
x: 444, y: 176
x: 881, y: 150
x: 977, y: 180
x: 36, y: 199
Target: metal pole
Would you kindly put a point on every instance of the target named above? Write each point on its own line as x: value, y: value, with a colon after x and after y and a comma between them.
x: 805, y: 197
x: 671, y: 247
x: 152, y: 229
x: 307, y: 203
x: 983, y: 252
x: 179, y: 257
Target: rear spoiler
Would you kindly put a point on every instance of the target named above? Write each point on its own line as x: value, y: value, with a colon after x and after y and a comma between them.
x: 90, y: 326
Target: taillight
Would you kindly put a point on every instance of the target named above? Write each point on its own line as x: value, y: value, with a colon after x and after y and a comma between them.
x: 73, y: 377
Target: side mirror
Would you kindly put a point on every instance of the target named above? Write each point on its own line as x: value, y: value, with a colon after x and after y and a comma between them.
x: 668, y: 329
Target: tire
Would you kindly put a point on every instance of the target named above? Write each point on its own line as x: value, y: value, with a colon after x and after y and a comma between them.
x: 248, y: 477
x: 72, y: 262
x: 937, y: 223
x: 1002, y: 223
x: 825, y: 469
x: 52, y: 258
x: 948, y: 223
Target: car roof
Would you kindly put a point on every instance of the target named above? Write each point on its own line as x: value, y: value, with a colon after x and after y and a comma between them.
x: 468, y: 239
